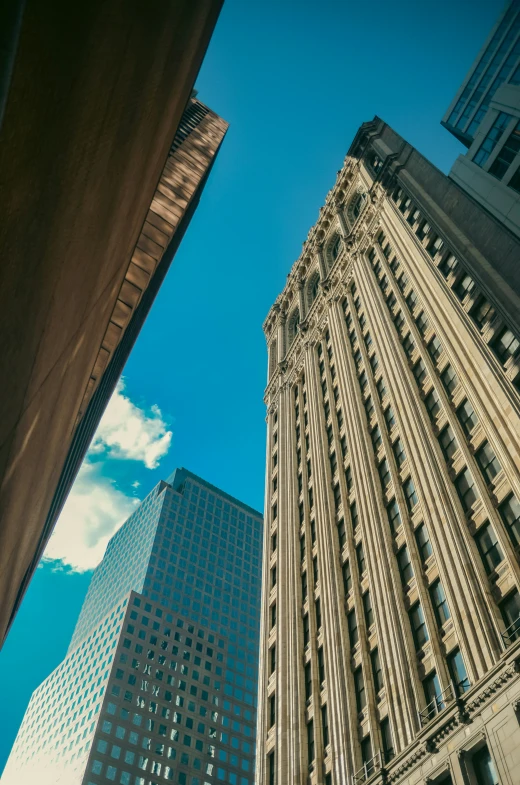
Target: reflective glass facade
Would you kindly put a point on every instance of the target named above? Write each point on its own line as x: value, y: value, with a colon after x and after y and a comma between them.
x: 159, y: 683
x: 498, y: 63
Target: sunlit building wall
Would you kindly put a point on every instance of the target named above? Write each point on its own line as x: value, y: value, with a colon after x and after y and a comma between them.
x: 390, y: 644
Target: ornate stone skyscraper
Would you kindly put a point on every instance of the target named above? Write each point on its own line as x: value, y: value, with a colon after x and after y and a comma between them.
x: 390, y: 621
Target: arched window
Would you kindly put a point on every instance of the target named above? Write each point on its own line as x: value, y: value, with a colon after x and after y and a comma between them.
x: 313, y: 288
x: 292, y: 325
x: 355, y: 207
x: 335, y: 248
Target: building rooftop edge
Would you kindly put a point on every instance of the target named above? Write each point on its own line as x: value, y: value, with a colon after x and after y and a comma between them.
x: 180, y: 474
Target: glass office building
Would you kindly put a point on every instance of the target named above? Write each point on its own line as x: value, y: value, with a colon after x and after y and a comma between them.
x: 159, y: 683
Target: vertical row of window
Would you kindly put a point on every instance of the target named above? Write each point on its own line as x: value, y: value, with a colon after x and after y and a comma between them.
x: 487, y: 462
x: 383, y: 463
x: 499, y: 336
x: 357, y: 551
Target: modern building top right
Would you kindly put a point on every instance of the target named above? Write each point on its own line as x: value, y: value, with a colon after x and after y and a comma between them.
x: 485, y: 116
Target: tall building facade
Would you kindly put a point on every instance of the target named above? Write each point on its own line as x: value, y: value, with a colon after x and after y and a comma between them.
x: 159, y: 683
x: 390, y: 643
x: 485, y: 116
x: 66, y: 341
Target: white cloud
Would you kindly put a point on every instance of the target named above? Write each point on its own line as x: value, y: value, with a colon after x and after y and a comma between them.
x: 127, y: 432
x: 93, y: 512
x: 96, y: 508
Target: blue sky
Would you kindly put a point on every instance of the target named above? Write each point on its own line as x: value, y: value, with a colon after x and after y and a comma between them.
x: 295, y: 79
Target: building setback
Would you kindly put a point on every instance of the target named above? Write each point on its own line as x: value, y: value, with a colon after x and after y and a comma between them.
x: 390, y: 642
x: 485, y: 116
x: 79, y: 351
x: 159, y: 683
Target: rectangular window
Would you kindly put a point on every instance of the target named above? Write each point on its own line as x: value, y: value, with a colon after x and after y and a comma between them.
x: 360, y: 555
x: 510, y: 610
x: 493, y: 135
x: 433, y: 696
x: 505, y: 345
x: 409, y: 345
x: 411, y: 300
x: 488, y: 462
x: 272, y: 710
x: 433, y: 404
x: 507, y: 153
x: 348, y: 478
x: 273, y: 616
x: 354, y: 516
x: 337, y: 497
x: 273, y: 577
x: 389, y: 417
x: 369, y: 408
x: 306, y: 630
x: 434, y: 348
x: 353, y: 632
x: 315, y: 570
x: 344, y: 446
x: 321, y: 667
x: 381, y: 389
x: 368, y: 610
x: 420, y: 372
x: 347, y: 577
x: 405, y: 565
x: 399, y: 452
x: 310, y: 741
x: 366, y: 755
x: 377, y: 673
x: 448, y: 442
x: 308, y: 681
x: 384, y: 474
x: 419, y: 630
x: 394, y: 516
x: 465, y: 285
x: 377, y: 439
x: 325, y: 725
x: 271, y: 768
x: 272, y: 659
x: 342, y: 533
x: 387, y: 741
x: 302, y: 547
x: 422, y: 323
x: 482, y: 312
x: 484, y: 767
x: 510, y: 514
x: 448, y: 264
x: 399, y: 321
x: 304, y: 586
x: 317, y: 607
x: 465, y: 486
x: 423, y: 543
x: 449, y: 379
x: 359, y: 684
x: 439, y: 602
x: 333, y: 463
x: 488, y: 547
x: 410, y: 494
x: 467, y: 417
x: 457, y: 671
